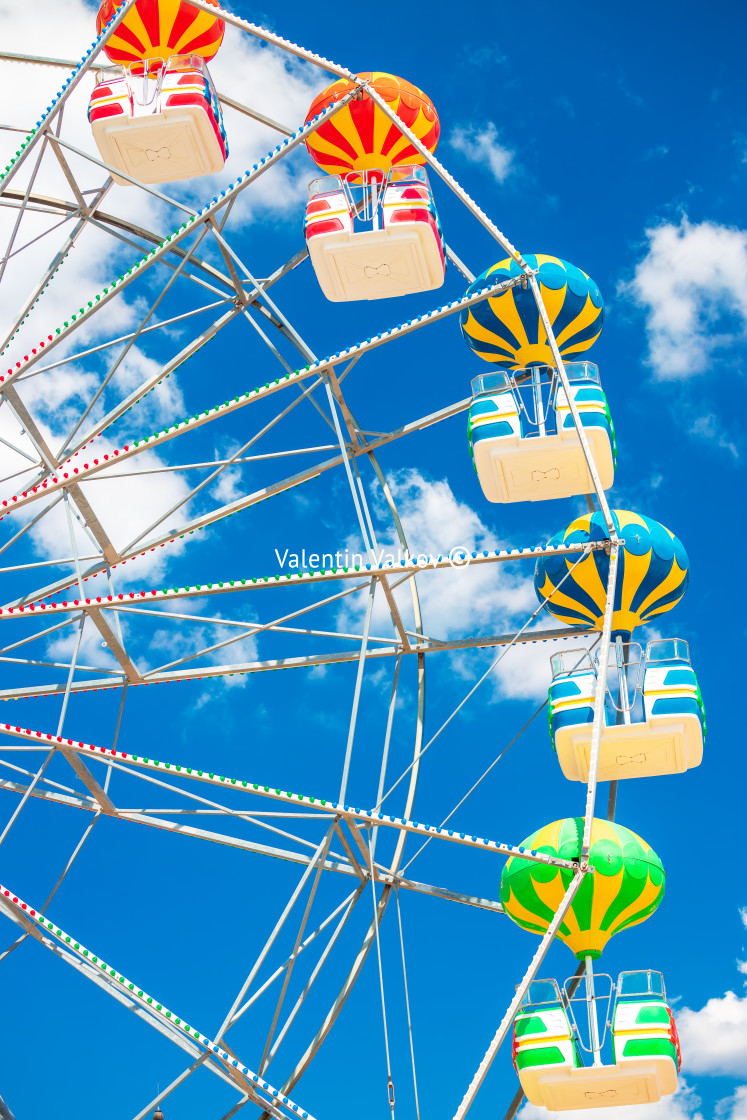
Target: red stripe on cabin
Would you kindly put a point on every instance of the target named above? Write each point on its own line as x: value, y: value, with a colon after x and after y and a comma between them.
x: 187, y: 99
x: 332, y: 225
x: 102, y: 111
x: 411, y: 216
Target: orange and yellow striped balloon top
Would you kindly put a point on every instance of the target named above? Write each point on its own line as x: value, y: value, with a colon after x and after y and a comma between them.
x: 160, y: 28
x: 361, y: 136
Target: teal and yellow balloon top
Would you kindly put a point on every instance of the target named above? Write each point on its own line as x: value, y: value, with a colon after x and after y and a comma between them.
x: 508, y: 331
x: 652, y: 574
x: 625, y: 888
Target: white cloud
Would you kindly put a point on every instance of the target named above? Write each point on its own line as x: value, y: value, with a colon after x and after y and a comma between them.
x: 525, y: 673
x: 228, y: 487
x: 473, y: 57
x: 282, y: 88
x: 127, y: 506
x: 92, y: 650
x: 566, y: 105
x: 124, y: 506
x: 150, y: 648
x: 13, y: 461
x: 682, y: 1105
x: 629, y: 94
x: 134, y: 370
x: 714, y: 1039
x: 180, y: 641
x: 229, y: 484
x: 482, y: 146
x: 486, y: 599
x: 474, y: 600
x: 711, y: 428
x: 59, y: 397
x: 461, y: 600
x: 657, y: 152
x: 734, y: 1107
x: 692, y: 286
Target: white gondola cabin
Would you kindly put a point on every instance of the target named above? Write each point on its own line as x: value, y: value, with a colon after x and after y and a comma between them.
x: 549, y: 1049
x: 396, y: 248
x: 654, y: 713
x: 158, y: 122
x: 523, y: 438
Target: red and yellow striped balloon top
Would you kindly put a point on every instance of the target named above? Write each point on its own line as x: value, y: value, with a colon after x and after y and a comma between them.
x: 160, y: 28
x: 361, y: 136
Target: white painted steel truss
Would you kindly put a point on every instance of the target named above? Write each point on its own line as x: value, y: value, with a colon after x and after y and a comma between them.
x: 192, y: 283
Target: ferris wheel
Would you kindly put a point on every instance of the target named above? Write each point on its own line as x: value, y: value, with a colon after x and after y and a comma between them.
x: 128, y: 500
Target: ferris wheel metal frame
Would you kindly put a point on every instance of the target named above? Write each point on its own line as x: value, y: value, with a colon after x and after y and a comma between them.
x: 235, y: 292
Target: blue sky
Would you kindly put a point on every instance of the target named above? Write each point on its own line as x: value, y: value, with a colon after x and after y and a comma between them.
x: 611, y: 137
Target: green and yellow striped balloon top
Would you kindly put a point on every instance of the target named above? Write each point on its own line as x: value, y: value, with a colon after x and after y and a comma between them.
x: 625, y: 888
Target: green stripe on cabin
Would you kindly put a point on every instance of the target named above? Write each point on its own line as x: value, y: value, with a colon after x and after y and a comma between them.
x: 649, y: 1048
x: 540, y: 1056
x: 530, y: 1024
x: 653, y: 1013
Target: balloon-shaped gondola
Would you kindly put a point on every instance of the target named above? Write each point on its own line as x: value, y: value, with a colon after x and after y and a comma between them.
x: 507, y: 329
x: 625, y: 888
x: 655, y: 724
x: 159, y: 29
x: 371, y: 224
x: 155, y: 115
x: 522, y: 421
x: 361, y: 136
x: 652, y: 576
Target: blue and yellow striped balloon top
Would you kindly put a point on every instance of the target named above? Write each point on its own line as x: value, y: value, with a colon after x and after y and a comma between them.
x: 652, y: 573
x: 508, y: 330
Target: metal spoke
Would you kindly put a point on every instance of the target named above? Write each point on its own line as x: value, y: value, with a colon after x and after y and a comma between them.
x: 263, y: 1062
